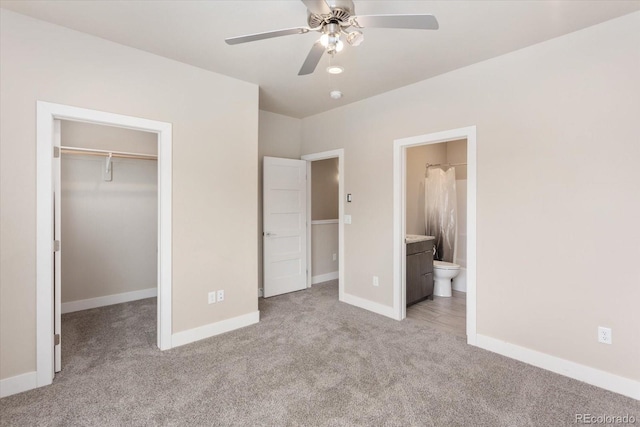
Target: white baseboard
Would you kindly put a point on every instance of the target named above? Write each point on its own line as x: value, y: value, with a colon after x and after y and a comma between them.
x: 375, y: 307
x: 86, y: 304
x: 596, y: 377
x: 18, y: 384
x: 324, y: 277
x: 212, y: 329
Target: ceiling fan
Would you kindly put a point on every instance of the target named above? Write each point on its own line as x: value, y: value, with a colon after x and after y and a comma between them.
x: 336, y: 20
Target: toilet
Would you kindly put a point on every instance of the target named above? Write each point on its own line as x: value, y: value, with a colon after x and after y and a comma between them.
x: 443, y: 272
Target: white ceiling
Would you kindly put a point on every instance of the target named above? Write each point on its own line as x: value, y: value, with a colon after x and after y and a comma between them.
x: 194, y: 31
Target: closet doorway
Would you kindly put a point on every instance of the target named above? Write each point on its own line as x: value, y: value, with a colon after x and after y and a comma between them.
x: 325, y: 218
x: 106, y: 218
x: 99, y: 173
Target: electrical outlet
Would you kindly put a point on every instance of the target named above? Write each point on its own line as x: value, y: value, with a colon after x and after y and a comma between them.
x: 376, y: 282
x: 212, y: 297
x: 604, y: 335
x: 220, y: 295
x: 335, y: 257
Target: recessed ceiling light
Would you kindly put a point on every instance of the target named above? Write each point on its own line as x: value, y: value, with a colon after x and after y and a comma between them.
x: 334, y: 69
x: 335, y: 94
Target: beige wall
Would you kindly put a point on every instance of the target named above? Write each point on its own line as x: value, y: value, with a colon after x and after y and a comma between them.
x: 89, y: 135
x: 215, y: 144
x: 109, y: 228
x: 279, y: 136
x: 324, y: 244
x: 557, y: 202
x: 457, y: 153
x: 417, y: 158
x: 324, y: 189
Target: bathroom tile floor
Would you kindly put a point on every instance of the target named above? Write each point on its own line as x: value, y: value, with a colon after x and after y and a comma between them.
x: 444, y: 314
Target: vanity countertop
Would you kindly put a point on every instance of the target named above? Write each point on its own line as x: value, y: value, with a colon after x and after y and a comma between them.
x: 413, y: 238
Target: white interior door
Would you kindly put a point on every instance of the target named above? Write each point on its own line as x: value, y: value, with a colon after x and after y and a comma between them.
x: 57, y: 251
x: 284, y: 225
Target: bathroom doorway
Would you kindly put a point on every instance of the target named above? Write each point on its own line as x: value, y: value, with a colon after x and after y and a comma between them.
x: 435, y: 206
x: 413, y: 157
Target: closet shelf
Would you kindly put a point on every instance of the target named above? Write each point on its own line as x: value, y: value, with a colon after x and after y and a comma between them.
x: 107, y: 153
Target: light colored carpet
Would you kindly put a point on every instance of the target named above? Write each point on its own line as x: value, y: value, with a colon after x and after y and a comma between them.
x: 310, y: 361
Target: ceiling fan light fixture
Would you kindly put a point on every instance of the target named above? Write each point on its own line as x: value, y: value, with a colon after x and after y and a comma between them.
x: 328, y: 39
x: 354, y: 38
x: 324, y: 40
x: 333, y: 19
x: 331, y: 42
x: 335, y: 69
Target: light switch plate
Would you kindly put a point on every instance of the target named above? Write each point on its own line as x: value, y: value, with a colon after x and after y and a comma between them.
x: 347, y: 219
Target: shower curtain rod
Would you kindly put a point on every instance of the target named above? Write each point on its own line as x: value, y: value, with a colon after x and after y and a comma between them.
x: 430, y: 165
x: 96, y: 152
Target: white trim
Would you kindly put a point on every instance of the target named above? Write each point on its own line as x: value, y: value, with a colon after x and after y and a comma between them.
x: 57, y: 235
x: 472, y: 188
x: 589, y: 375
x: 89, y: 303
x: 320, y: 278
x: 325, y: 221
x: 18, y: 384
x: 399, y: 218
x: 44, y: 244
x: 213, y: 329
x: 366, y: 304
x: 308, y: 227
x: 339, y: 153
x: 46, y: 114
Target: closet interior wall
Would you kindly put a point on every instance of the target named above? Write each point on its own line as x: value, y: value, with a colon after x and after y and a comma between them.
x: 324, y: 219
x: 109, y: 228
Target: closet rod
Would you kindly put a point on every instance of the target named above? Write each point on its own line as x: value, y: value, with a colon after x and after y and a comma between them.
x: 96, y: 152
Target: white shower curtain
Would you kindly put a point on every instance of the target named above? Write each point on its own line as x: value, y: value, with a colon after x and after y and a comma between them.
x: 440, y: 211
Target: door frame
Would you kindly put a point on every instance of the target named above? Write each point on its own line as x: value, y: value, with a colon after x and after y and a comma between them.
x: 399, y: 218
x: 339, y: 153
x: 46, y: 114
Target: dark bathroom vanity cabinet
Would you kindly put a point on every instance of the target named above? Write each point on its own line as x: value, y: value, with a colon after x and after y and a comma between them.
x: 419, y: 271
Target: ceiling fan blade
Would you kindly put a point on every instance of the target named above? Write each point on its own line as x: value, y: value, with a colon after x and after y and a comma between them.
x: 266, y: 35
x: 313, y: 58
x: 319, y: 7
x: 414, y: 22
